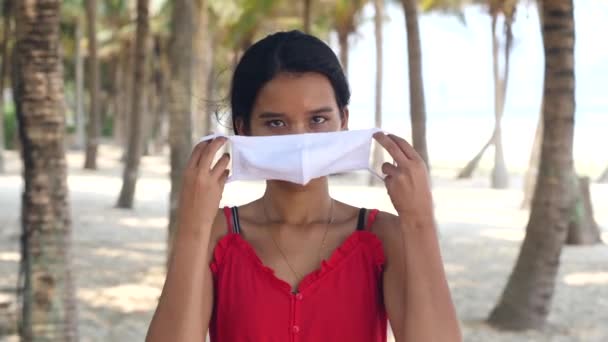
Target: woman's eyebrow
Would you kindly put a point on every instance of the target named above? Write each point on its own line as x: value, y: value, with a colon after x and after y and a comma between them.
x: 270, y: 115
x: 321, y: 110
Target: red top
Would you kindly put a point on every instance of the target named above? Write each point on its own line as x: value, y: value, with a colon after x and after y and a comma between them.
x: 341, y: 301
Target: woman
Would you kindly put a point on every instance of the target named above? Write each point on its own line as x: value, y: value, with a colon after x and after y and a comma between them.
x: 297, y: 265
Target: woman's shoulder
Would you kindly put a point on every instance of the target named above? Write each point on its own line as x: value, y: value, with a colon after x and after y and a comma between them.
x: 219, y: 230
x: 385, y: 225
x: 386, y: 229
x: 222, y: 224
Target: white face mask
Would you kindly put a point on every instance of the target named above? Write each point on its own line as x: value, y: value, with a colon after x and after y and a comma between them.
x: 298, y: 158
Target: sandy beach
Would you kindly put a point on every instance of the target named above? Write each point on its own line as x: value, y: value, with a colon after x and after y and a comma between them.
x: 119, y: 255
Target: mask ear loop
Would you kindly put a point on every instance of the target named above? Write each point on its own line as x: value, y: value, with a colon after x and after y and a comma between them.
x: 379, y: 176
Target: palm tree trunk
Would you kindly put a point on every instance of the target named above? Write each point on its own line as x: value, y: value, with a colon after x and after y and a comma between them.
x: 6, y: 22
x: 135, y: 139
x: 79, y: 96
x: 180, y: 96
x: 212, y: 45
x: 344, y: 47
x: 200, y: 67
x: 526, y: 300
x: 500, y: 175
x: 417, y: 104
x: 165, y: 70
x: 156, y: 101
x: 124, y: 102
x: 532, y: 172
x: 49, y: 308
x: 94, y: 124
x: 307, y: 10
x: 583, y: 229
x: 604, y: 177
x: 378, y: 157
x: 149, y: 110
x: 468, y: 170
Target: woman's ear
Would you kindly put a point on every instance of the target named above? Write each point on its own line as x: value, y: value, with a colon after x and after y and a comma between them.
x: 239, y: 127
x: 344, y: 119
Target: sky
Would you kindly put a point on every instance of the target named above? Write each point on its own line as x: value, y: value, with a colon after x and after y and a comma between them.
x: 457, y: 73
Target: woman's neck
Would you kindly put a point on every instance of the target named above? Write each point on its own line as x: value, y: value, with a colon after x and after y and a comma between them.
x: 297, y: 205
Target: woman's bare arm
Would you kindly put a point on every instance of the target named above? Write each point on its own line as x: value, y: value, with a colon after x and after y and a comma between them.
x: 416, y: 292
x: 185, y: 305
x: 415, y: 287
x: 186, y: 301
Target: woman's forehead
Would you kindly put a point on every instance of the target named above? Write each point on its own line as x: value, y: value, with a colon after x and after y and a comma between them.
x: 302, y: 92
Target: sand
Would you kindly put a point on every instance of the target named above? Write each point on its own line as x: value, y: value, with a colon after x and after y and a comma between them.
x: 118, y: 255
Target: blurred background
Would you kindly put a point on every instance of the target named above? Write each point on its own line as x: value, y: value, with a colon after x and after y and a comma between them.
x: 102, y: 101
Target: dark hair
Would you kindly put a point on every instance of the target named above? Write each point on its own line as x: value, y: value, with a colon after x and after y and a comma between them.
x: 293, y: 52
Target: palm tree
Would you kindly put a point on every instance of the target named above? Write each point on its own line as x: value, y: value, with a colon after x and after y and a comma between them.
x: 532, y: 172
x: 79, y: 85
x: 135, y: 139
x: 345, y: 17
x: 417, y: 105
x: 377, y: 155
x: 6, y: 25
x: 306, y: 13
x: 526, y: 299
x: 604, y: 177
x: 94, y: 122
x: 183, y: 29
x: 49, y: 310
x: 499, y: 177
x: 200, y: 67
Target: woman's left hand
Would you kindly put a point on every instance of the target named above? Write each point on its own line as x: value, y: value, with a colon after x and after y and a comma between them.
x: 407, y: 180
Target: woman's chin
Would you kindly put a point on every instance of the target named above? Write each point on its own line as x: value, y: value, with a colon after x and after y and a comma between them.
x: 300, y: 187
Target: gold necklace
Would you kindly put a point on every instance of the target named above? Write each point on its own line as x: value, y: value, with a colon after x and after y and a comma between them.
x: 330, y: 221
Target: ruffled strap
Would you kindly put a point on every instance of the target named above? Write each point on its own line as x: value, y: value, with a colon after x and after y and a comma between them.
x: 377, y: 250
x: 220, y: 251
x: 229, y: 219
x: 224, y: 243
x: 371, y: 218
x: 374, y: 243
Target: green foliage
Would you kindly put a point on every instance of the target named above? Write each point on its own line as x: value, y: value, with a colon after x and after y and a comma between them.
x: 113, y: 8
x: 238, y: 21
x: 450, y: 7
x: 107, y: 127
x: 345, y: 14
x: 10, y: 125
x: 72, y: 9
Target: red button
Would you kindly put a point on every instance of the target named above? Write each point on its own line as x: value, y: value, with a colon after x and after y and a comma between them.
x: 299, y: 296
x: 295, y: 329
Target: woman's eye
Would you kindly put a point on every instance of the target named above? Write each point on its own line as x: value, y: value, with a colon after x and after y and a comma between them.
x: 318, y: 120
x: 275, y: 123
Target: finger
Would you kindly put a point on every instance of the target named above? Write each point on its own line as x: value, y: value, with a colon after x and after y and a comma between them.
x: 224, y: 177
x: 389, y: 169
x: 392, y: 148
x: 221, y: 165
x: 196, y: 154
x: 407, y: 149
x: 210, y: 152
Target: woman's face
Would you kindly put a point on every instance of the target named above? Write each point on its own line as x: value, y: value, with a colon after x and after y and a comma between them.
x: 296, y: 103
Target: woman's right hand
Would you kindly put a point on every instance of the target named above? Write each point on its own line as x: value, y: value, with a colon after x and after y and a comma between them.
x: 202, y: 187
